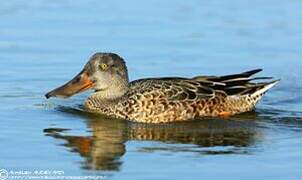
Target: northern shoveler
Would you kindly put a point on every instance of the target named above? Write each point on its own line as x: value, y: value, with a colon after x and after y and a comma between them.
x: 161, y: 100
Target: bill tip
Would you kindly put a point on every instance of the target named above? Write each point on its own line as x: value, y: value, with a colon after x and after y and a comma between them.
x: 48, y: 95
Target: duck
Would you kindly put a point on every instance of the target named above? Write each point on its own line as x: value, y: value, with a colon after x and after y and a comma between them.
x: 162, y: 99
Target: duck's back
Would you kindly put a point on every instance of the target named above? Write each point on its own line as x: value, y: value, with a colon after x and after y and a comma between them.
x: 158, y: 100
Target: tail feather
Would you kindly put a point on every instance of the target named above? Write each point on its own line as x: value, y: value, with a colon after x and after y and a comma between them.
x: 250, y: 95
x: 240, y: 75
x: 243, y: 80
x: 265, y: 87
x: 252, y: 72
x: 238, y: 84
x: 233, y: 79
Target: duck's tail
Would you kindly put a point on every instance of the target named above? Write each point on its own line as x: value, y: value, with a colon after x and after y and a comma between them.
x: 262, y: 88
x: 247, y: 101
x: 242, y: 92
x: 238, y: 84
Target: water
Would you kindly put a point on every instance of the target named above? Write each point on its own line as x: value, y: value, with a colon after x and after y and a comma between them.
x: 44, y: 43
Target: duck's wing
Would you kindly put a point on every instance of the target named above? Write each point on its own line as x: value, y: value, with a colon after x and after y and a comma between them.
x: 199, y: 87
x: 236, y: 84
x: 172, y: 88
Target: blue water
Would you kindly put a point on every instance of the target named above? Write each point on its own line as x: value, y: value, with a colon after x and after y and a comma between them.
x: 45, y: 43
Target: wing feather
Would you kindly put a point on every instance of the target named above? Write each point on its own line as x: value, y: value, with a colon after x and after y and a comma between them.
x: 200, y: 87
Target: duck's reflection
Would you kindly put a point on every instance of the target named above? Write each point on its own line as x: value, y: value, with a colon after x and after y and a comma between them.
x: 104, y: 148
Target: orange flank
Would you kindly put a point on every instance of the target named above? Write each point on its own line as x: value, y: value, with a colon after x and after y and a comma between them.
x: 225, y: 114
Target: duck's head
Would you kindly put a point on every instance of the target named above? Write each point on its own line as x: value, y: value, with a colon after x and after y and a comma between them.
x: 106, y: 73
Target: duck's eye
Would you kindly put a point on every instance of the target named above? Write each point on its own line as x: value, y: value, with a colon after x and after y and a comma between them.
x: 103, y: 66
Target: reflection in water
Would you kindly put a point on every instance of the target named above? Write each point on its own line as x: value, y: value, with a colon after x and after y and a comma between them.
x: 104, y: 148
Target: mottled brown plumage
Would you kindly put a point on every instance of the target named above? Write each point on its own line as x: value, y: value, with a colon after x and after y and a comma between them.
x: 161, y: 100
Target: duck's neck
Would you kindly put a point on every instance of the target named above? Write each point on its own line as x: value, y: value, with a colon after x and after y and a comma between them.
x: 112, y: 93
x: 106, y: 100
